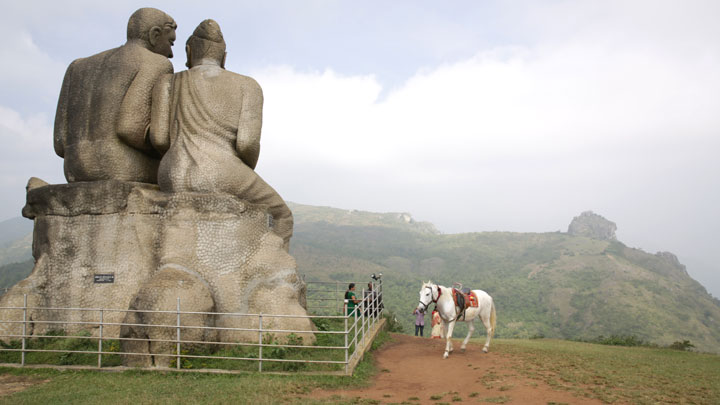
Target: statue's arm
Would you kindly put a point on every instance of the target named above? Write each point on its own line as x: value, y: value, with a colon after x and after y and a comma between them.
x: 159, y: 132
x: 250, y: 125
x: 133, y: 120
x: 61, y: 114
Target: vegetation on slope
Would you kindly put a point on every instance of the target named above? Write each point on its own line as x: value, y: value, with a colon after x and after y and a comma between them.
x: 544, y: 284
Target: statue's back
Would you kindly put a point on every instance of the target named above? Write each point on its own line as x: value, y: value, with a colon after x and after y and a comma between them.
x: 89, y: 113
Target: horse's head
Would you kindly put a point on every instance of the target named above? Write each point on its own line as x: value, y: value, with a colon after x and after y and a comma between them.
x: 428, y: 294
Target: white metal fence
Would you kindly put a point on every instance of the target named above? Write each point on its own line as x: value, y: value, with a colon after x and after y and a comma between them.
x: 86, y: 338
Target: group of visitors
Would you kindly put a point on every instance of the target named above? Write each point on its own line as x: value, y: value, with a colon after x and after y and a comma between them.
x: 373, y: 303
x: 373, y: 300
x: 435, y: 322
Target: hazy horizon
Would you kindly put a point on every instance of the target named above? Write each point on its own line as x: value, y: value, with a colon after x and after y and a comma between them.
x: 480, y: 116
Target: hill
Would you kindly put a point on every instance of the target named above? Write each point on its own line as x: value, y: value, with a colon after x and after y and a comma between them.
x: 558, y: 285
x: 575, y: 285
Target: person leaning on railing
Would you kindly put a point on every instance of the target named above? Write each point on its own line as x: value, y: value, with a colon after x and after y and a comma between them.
x: 351, y: 299
x: 369, y: 297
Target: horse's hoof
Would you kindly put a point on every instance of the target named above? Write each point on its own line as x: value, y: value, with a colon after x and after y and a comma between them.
x: 445, y: 356
x: 485, y: 349
x: 462, y: 349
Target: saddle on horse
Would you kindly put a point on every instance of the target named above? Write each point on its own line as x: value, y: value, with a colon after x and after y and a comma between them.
x: 464, y: 299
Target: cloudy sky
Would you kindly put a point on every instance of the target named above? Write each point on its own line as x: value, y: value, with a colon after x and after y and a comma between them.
x: 475, y: 116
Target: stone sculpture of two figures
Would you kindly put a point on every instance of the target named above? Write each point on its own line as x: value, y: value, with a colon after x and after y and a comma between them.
x: 206, y: 121
x: 162, y: 197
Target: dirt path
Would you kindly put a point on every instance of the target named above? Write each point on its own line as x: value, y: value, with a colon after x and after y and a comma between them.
x: 10, y: 384
x: 412, y: 369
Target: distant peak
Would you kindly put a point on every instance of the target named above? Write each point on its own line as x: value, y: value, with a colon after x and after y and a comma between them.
x: 592, y: 225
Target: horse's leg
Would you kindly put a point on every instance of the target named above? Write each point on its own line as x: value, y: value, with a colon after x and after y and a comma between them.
x: 471, y: 329
x: 448, y: 342
x: 488, y: 331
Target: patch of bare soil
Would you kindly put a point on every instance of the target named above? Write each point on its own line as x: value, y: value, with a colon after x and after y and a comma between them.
x: 10, y: 384
x: 412, y: 370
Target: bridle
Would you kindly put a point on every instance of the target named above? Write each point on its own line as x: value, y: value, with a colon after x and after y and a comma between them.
x: 431, y: 296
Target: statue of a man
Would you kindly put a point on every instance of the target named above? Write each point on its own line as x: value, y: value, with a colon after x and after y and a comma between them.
x: 103, y: 113
x: 208, y: 121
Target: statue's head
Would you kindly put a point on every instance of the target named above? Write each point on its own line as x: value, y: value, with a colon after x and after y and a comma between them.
x: 207, y: 43
x: 154, y: 28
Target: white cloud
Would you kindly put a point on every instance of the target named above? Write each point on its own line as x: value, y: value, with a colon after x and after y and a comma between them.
x: 26, y: 151
x: 516, y: 105
x: 27, y: 70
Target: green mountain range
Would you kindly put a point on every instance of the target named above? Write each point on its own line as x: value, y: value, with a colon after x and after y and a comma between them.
x: 576, y: 285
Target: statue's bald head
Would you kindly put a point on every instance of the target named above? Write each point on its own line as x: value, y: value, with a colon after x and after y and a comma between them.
x: 154, y: 28
x: 206, y: 42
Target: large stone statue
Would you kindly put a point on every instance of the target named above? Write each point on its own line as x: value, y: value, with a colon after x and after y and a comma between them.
x: 209, y: 120
x: 211, y: 237
x: 104, y: 108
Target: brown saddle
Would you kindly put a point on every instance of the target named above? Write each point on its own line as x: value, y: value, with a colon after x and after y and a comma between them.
x: 464, y: 299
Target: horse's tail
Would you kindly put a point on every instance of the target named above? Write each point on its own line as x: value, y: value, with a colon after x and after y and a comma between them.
x: 493, y: 318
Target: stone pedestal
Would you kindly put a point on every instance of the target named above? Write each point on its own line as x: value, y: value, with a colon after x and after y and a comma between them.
x: 124, y: 245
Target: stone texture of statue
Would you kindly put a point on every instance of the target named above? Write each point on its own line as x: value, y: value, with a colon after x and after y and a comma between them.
x: 103, y: 112
x: 212, y: 234
x: 212, y: 250
x: 208, y: 121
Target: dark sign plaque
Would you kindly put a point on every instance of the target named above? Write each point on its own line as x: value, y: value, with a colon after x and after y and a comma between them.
x: 104, y: 278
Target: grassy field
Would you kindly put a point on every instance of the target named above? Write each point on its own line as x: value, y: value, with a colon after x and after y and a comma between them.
x: 637, y: 375
x: 612, y: 374
x: 327, y: 347
x: 142, y: 387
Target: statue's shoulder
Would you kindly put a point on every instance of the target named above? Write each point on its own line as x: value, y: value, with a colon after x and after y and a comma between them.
x: 92, y: 60
x: 248, y: 83
x: 145, y: 58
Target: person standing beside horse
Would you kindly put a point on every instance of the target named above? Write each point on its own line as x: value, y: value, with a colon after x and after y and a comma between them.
x: 436, y: 324
x: 419, y: 321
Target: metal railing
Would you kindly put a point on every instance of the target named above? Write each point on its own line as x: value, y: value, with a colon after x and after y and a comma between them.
x: 328, y: 296
x: 334, y: 344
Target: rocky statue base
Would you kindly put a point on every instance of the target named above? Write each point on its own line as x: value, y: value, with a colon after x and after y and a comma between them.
x: 124, y: 245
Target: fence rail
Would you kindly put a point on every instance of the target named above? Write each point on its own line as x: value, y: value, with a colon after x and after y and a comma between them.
x: 335, y: 345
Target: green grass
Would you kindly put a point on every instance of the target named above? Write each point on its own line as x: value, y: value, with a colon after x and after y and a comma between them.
x: 639, y: 375
x: 612, y: 374
x: 133, y: 387
x: 56, y: 340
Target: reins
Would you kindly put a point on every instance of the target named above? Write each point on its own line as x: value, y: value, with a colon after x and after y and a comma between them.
x: 435, y: 300
x: 431, y: 296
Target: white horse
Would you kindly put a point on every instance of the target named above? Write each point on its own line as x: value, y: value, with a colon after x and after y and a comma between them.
x: 449, y: 313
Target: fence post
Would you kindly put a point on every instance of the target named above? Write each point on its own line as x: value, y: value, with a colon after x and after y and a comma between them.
x: 101, y: 338
x: 337, y: 297
x: 24, y: 330
x: 346, y: 343
x: 355, y: 312
x: 260, y: 342
x: 363, y: 318
x: 177, y: 366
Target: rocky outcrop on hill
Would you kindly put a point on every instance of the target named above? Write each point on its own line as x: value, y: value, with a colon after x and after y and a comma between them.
x: 592, y: 225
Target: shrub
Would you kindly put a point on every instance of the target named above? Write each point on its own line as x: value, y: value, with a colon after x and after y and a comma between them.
x: 393, y: 325
x: 685, y: 345
x: 619, y: 340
